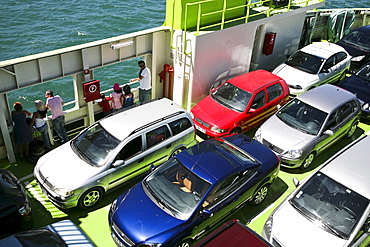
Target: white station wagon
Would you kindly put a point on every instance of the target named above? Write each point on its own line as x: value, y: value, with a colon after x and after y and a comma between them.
x: 113, y: 151
x: 314, y: 65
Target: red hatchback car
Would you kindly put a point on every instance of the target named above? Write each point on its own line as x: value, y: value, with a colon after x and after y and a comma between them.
x: 240, y: 103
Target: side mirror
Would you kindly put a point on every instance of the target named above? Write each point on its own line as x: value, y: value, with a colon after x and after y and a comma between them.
x: 206, y: 213
x: 295, y: 182
x: 324, y: 70
x: 251, y: 110
x: 117, y: 163
x: 329, y: 132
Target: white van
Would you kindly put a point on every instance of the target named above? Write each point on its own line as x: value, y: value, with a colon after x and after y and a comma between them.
x: 112, y: 151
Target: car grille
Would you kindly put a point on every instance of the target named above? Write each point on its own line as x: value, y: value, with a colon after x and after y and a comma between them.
x: 44, y: 181
x: 202, y: 123
x: 121, y: 235
x: 272, y: 147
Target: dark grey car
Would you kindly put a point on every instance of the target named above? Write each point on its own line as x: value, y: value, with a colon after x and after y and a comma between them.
x: 309, y: 124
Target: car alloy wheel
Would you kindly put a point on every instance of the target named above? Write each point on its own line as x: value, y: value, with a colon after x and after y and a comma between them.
x: 307, y: 162
x: 177, y: 151
x: 184, y: 243
x: 260, y: 195
x: 90, y: 198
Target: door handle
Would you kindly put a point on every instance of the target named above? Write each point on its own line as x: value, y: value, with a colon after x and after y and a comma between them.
x: 168, y: 146
x: 140, y: 160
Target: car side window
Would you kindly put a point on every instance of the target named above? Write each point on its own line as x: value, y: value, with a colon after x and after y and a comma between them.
x: 259, y: 100
x: 340, y: 56
x: 132, y: 148
x: 180, y: 125
x: 330, y: 62
x: 156, y: 136
x: 221, y: 192
x: 333, y: 120
x: 345, y: 110
x: 274, y: 91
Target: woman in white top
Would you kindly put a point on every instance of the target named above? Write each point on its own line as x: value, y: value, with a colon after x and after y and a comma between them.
x: 39, y: 122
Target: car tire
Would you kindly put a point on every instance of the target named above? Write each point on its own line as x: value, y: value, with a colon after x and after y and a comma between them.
x: 236, y: 130
x: 179, y: 150
x: 184, y: 243
x: 308, y: 160
x: 352, y: 129
x: 260, y: 194
x: 90, y: 198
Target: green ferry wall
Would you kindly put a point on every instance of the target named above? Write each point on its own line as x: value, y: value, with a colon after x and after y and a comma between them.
x: 177, y: 18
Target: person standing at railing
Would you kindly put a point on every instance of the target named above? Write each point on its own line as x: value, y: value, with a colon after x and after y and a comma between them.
x: 145, y: 88
x: 128, y: 97
x: 117, y: 97
x: 22, y: 131
x: 55, y: 104
x: 38, y: 120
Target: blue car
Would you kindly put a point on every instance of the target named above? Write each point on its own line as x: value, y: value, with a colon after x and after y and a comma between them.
x: 193, y: 192
x: 359, y: 84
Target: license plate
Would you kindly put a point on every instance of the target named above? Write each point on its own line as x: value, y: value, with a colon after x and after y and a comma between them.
x: 200, y: 129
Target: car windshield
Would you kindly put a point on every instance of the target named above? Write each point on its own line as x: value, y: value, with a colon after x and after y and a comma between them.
x: 232, y: 97
x: 7, y: 184
x: 359, y: 39
x: 331, y: 205
x: 302, y: 116
x: 95, y: 145
x: 364, y: 72
x: 233, y: 150
x: 305, y: 62
x: 176, y: 189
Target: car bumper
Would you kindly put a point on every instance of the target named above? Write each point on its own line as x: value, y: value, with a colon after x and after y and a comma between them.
x: 291, y: 163
x: 58, y: 201
x: 207, y: 132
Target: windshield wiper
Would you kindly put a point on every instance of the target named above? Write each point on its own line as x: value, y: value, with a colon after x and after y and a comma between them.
x: 328, y: 226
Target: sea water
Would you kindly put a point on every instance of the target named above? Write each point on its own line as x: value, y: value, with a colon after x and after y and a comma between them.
x: 34, y: 26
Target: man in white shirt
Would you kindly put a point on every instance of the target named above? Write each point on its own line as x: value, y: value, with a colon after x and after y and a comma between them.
x: 55, y: 104
x: 145, y: 88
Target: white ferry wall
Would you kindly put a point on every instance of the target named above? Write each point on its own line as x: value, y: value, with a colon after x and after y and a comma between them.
x: 223, y: 54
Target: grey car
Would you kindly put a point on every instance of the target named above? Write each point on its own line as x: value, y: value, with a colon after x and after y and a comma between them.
x: 329, y: 208
x: 309, y: 124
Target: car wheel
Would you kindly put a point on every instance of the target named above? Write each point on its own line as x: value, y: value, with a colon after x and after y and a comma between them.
x: 184, y: 243
x: 236, y: 131
x: 308, y: 160
x: 90, y: 198
x: 261, y: 194
x: 177, y: 151
x: 352, y: 130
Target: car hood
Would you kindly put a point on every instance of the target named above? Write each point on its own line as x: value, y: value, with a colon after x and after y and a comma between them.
x: 354, y: 51
x: 211, y: 112
x: 290, y: 75
x: 64, y: 169
x: 282, y: 135
x: 291, y: 227
x: 357, y: 86
x: 141, y: 219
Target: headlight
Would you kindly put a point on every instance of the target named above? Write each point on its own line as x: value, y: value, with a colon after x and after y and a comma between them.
x: 215, y: 129
x: 26, y: 209
x: 63, y: 192
x: 267, y: 228
x: 357, y: 59
x: 257, y: 135
x: 191, y: 115
x: 293, y: 154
